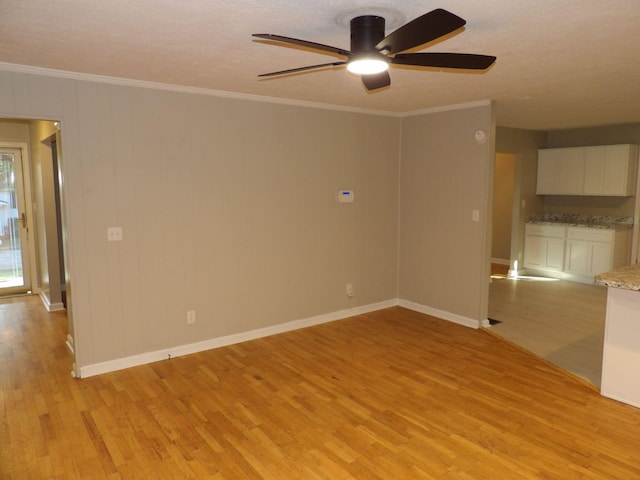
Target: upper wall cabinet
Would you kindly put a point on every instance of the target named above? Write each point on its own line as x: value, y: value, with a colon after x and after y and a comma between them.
x: 607, y: 170
x: 560, y: 171
x: 610, y: 170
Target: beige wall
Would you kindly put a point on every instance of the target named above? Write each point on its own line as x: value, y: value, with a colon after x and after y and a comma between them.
x: 445, y: 175
x: 604, y: 135
x: 228, y: 208
x: 14, y: 131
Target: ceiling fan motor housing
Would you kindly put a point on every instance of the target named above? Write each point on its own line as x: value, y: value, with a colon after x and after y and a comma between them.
x: 366, y: 32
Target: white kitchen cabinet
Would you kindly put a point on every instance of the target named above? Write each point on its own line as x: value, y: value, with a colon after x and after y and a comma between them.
x: 544, y: 247
x: 610, y: 170
x: 574, y: 253
x: 578, y: 256
x: 602, y: 259
x: 570, y: 171
x: 607, y: 170
x: 560, y: 171
x: 589, y: 251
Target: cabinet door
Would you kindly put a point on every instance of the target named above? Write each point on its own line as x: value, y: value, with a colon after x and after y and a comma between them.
x: 570, y: 173
x: 616, y: 161
x: 594, y: 170
x: 609, y: 170
x: 600, y: 260
x: 555, y: 253
x: 578, y: 253
x: 535, y: 251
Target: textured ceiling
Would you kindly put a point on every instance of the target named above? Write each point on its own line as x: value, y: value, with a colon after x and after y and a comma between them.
x: 561, y: 64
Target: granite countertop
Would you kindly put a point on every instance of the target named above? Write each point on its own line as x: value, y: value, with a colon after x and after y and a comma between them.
x: 590, y: 221
x: 627, y: 278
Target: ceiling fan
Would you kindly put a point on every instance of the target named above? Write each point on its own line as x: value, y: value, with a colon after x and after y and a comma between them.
x: 371, y: 52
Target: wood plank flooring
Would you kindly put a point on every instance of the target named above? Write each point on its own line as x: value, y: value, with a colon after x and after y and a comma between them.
x: 389, y: 395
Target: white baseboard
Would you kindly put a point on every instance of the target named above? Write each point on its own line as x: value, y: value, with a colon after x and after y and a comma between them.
x: 51, y: 307
x: 501, y: 261
x: 69, y: 344
x: 164, y: 354
x: 620, y: 399
x: 434, y: 312
x: 180, y: 350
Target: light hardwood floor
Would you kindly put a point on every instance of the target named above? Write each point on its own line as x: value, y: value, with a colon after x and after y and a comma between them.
x: 558, y: 320
x: 389, y: 395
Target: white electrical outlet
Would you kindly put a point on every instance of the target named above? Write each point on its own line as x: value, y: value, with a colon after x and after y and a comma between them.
x: 191, y: 317
x: 114, y: 234
x: 350, y: 292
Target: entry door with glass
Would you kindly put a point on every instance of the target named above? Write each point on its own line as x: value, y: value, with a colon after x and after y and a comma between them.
x: 14, y: 232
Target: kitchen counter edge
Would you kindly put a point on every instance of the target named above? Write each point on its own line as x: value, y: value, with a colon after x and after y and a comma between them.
x: 627, y: 278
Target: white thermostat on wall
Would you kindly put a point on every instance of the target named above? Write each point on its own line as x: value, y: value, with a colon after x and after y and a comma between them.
x: 345, y: 196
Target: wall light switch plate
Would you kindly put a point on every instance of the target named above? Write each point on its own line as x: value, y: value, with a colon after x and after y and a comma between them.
x: 475, y: 215
x: 114, y: 234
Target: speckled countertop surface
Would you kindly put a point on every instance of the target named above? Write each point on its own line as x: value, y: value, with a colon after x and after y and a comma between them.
x: 572, y: 220
x: 627, y: 278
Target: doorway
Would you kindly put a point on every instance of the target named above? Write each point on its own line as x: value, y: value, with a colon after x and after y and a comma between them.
x: 503, y: 209
x: 558, y: 320
x: 39, y: 143
x: 15, y: 234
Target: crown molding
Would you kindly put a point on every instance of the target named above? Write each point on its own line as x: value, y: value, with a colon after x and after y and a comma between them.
x: 446, y: 108
x: 128, y: 82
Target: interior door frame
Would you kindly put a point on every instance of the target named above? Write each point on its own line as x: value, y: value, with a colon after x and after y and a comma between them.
x: 28, y: 199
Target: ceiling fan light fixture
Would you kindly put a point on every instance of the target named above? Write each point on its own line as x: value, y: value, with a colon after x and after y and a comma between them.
x: 367, y: 65
x: 371, y: 52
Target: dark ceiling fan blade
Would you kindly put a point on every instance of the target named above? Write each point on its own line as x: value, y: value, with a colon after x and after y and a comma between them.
x: 374, y: 81
x: 303, y: 43
x: 302, y: 69
x: 445, y: 60
x: 421, y: 30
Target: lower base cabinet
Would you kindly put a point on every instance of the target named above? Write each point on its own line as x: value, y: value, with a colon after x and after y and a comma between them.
x: 544, y: 247
x: 588, y: 258
x: 574, y: 253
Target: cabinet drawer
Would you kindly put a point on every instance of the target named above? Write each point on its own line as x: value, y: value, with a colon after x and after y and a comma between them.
x: 545, y: 230
x: 590, y: 234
